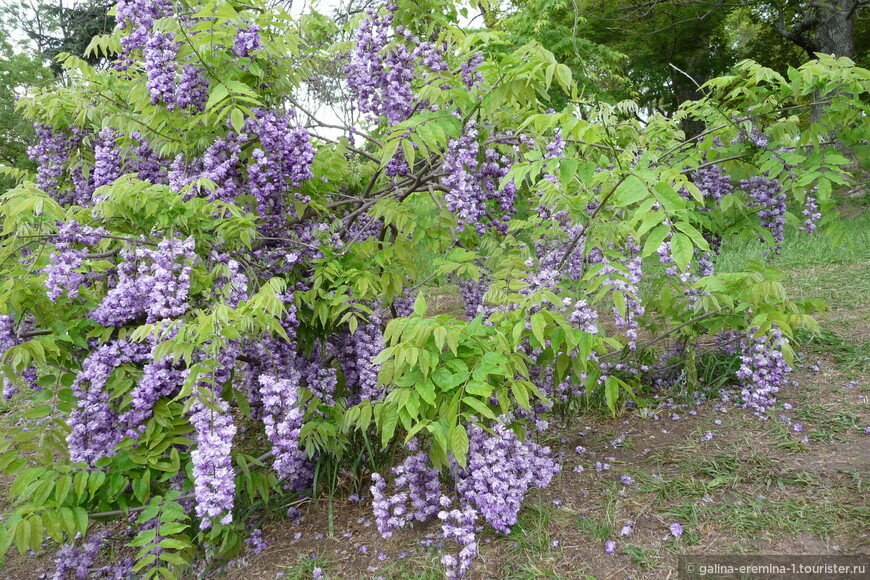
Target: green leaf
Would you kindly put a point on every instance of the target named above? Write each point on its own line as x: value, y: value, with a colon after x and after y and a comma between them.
x: 479, y: 388
x: 426, y: 390
x: 440, y: 335
x: 619, y: 302
x: 631, y: 190
x: 68, y: 521
x: 696, y: 236
x: 81, y: 518
x: 611, y: 393
x: 389, y: 426
x: 171, y: 528
x: 36, y: 533
x: 62, y: 488
x: 420, y: 305
x: 38, y: 412
x: 459, y: 443
x: 80, y: 483
x: 173, y: 558
x: 480, y: 407
x: 143, y: 538
x: 217, y: 95
x: 681, y: 250
x: 22, y: 536
x: 410, y: 153
x: 24, y: 479
x: 237, y: 119
x: 539, y: 324
x: 520, y: 394
x: 95, y: 482
x: 174, y: 544
x: 655, y: 239
x: 144, y: 562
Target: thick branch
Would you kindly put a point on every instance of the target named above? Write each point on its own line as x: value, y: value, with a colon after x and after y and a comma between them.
x: 798, y: 32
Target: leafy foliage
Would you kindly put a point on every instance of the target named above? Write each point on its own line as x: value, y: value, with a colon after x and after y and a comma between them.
x: 198, y: 251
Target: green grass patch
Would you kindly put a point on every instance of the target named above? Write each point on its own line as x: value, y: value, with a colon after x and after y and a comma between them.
x: 852, y: 356
x: 643, y: 558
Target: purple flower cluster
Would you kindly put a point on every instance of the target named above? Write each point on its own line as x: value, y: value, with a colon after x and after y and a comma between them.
x: 8, y: 339
x: 285, y: 155
x: 464, y: 198
x: 458, y: 524
x: 283, y: 420
x: 763, y: 370
x: 470, y: 69
x: 159, y: 379
x: 381, y: 75
x: 213, y: 474
x: 404, y: 304
x: 184, y: 89
x: 192, y: 90
x: 125, y: 301
x: 500, y: 469
x: 78, y: 561
x: 169, y: 280
x: 472, y: 292
x: 150, y: 282
x: 811, y: 214
x: 66, y: 259
x: 94, y: 426
x: 551, y: 246
x: 107, y: 158
x: 356, y: 352
x: 220, y: 163
x: 145, y: 162
x: 160, y: 51
x: 137, y: 17
x: 247, y: 41
x: 626, y: 280
x: 713, y: 183
x: 766, y: 193
x: 50, y: 154
x: 493, y: 169
x: 582, y: 316
x: 416, y: 482
x: 472, y: 183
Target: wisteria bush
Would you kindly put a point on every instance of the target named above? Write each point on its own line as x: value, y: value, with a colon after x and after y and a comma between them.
x: 213, y: 290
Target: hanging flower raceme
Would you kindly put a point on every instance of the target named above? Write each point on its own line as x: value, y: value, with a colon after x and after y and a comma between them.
x: 213, y: 473
x: 356, y: 352
x: 283, y: 420
x: 282, y: 160
x: 151, y: 283
x: 763, y: 370
x: 67, y: 259
x: 95, y: 427
x: 766, y: 194
x: 380, y: 74
x: 500, y: 469
x: 9, y: 338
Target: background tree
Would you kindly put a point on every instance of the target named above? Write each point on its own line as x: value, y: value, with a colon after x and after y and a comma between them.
x: 55, y: 28
x: 657, y: 52
x: 19, y: 72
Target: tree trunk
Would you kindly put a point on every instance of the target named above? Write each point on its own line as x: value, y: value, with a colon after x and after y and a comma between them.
x: 835, y: 30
